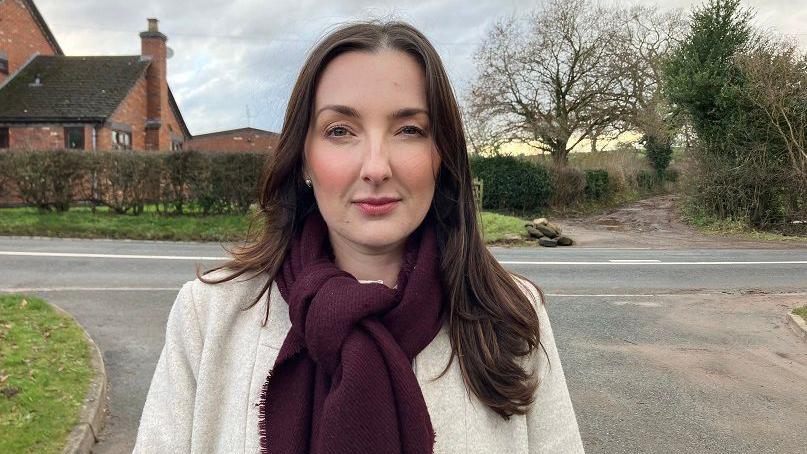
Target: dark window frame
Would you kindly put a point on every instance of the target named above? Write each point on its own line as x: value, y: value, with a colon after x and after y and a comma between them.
x: 5, y: 137
x: 4, y: 67
x: 79, y: 145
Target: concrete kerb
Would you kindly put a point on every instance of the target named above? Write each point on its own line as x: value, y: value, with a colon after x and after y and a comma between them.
x: 92, y: 415
x: 797, y: 324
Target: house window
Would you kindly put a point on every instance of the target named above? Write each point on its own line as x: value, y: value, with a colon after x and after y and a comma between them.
x: 121, y: 140
x: 4, y: 138
x: 176, y: 145
x: 74, y: 137
x: 3, y: 63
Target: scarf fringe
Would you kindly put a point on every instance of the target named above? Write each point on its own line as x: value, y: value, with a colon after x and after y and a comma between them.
x: 262, y: 412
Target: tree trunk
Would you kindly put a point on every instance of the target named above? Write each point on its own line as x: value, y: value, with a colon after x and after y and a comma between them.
x: 560, y: 156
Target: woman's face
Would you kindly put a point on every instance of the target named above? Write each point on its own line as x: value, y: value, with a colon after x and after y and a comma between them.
x: 369, y: 138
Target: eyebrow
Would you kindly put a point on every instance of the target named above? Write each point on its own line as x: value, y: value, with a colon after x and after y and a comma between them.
x: 406, y: 112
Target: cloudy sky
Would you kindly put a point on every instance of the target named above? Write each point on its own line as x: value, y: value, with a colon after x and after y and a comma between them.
x: 235, y: 62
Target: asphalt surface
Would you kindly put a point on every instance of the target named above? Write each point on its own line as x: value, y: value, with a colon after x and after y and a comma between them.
x: 663, y: 350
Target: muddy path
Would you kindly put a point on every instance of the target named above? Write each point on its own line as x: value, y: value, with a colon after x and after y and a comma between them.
x: 655, y: 223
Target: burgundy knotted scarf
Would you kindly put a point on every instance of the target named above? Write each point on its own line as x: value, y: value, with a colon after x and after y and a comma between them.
x: 343, y: 379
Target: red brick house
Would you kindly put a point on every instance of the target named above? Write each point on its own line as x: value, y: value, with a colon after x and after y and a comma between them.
x: 23, y: 33
x: 51, y: 101
x: 243, y: 139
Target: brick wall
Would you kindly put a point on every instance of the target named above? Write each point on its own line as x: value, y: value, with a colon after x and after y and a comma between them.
x: 173, y: 129
x: 20, y: 36
x: 46, y: 136
x: 234, y: 141
x: 131, y: 112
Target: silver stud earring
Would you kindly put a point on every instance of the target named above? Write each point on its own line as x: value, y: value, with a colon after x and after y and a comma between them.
x: 308, y: 182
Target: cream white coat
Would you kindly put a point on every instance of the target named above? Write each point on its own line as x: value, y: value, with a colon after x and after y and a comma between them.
x: 204, y: 395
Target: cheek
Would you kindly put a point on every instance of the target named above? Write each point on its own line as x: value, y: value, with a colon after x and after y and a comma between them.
x: 418, y: 172
x: 332, y: 170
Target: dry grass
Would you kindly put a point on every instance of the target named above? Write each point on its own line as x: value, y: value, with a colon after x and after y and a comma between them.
x: 622, y: 164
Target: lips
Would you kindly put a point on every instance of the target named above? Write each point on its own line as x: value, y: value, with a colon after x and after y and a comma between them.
x: 377, y: 206
x: 377, y: 200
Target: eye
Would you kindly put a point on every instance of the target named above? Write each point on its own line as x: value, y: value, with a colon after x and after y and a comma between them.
x: 339, y: 129
x: 409, y: 130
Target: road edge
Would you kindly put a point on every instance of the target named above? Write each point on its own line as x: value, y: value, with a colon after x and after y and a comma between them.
x: 92, y: 415
x: 797, y: 324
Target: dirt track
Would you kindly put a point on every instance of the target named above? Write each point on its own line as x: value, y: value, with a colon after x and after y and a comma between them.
x: 655, y: 223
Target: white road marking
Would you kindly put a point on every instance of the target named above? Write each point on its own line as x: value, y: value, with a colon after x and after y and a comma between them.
x: 86, y: 289
x: 575, y: 295
x: 634, y: 261
x: 504, y: 262
x: 683, y: 293
x: 636, y: 303
x: 565, y: 295
x: 109, y: 256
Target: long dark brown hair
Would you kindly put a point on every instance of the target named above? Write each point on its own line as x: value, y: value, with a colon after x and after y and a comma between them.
x: 492, y: 323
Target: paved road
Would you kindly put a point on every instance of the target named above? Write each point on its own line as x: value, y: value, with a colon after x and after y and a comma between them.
x: 664, y: 350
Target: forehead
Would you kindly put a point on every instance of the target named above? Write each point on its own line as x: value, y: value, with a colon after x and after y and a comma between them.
x: 382, y: 80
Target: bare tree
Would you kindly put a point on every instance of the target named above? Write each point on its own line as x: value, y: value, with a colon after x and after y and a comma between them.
x: 646, y: 38
x: 776, y: 84
x: 483, y: 137
x: 546, y: 79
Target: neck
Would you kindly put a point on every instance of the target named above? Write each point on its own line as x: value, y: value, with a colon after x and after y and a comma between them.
x: 377, y: 264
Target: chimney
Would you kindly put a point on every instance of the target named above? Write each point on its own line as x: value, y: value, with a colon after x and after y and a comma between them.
x: 153, y: 48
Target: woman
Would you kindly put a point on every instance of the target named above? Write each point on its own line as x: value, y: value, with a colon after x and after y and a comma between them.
x: 388, y: 326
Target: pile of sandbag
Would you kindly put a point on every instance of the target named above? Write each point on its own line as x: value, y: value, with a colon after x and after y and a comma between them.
x: 548, y: 234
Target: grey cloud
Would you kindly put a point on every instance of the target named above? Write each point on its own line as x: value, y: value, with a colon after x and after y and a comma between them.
x: 215, y: 75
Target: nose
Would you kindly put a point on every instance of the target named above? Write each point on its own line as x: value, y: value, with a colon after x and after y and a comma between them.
x: 376, y: 166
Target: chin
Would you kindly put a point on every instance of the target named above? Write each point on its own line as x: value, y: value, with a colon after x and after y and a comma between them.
x: 380, y: 239
x: 380, y: 233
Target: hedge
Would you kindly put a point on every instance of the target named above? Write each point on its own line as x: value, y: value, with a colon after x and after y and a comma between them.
x: 224, y: 182
x: 512, y: 183
x: 210, y: 182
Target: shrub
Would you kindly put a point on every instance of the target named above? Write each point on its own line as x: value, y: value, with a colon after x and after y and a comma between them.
x: 223, y: 182
x: 213, y: 182
x: 49, y: 180
x: 568, y: 184
x: 174, y: 194
x: 647, y: 180
x: 658, y: 151
x: 124, y: 180
x: 5, y: 173
x: 671, y: 174
x: 597, y: 185
x: 512, y: 183
x: 741, y: 89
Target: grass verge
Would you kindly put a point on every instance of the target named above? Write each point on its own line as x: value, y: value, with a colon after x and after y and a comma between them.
x: 80, y: 222
x: 45, y: 371
x: 496, y: 226
x: 801, y: 312
x: 737, y: 228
